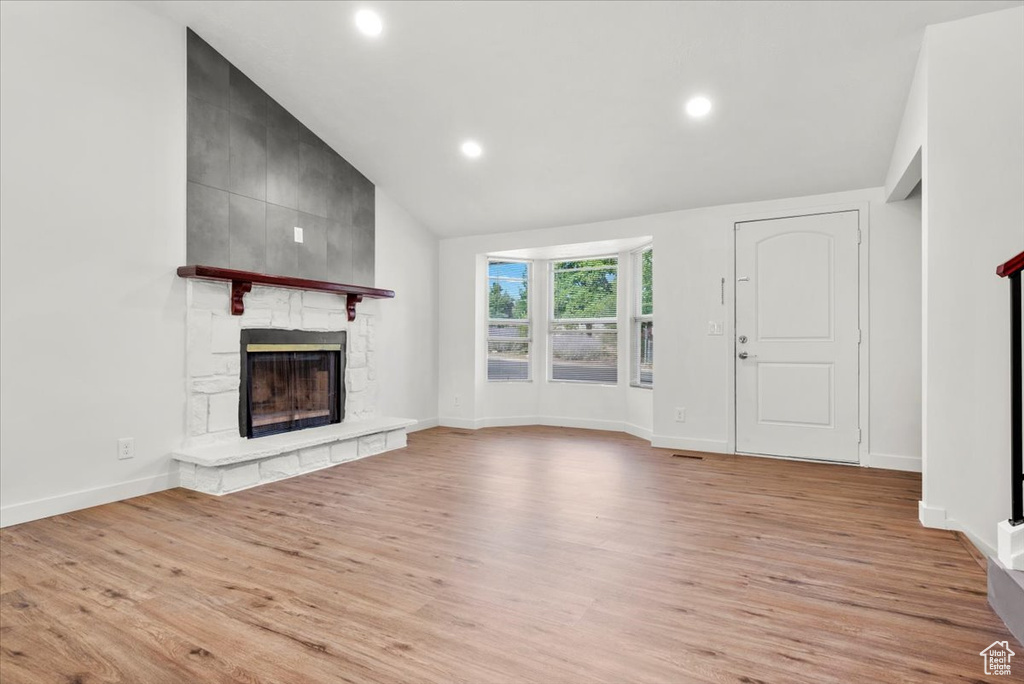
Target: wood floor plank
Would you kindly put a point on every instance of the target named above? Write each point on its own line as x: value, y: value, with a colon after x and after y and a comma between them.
x: 503, y: 555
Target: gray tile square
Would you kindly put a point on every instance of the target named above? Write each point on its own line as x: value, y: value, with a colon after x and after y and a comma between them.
x: 246, y: 98
x: 363, y: 200
x: 282, y: 169
x: 247, y: 229
x: 282, y: 120
x: 312, y: 252
x: 282, y: 251
x: 363, y: 248
x: 206, y: 222
x: 339, y: 189
x: 339, y: 252
x: 312, y: 180
x: 248, y: 158
x: 208, y: 155
x: 207, y: 72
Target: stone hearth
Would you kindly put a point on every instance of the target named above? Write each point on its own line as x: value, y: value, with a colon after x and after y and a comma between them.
x: 225, y: 468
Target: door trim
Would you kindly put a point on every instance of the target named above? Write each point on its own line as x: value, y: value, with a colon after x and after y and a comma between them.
x: 863, y: 317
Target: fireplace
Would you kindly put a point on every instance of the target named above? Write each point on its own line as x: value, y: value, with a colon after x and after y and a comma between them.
x: 291, y: 380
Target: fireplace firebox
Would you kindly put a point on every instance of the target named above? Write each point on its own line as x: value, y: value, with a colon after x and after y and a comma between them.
x: 291, y: 380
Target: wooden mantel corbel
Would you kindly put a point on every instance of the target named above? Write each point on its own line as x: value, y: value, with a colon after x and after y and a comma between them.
x: 242, y: 282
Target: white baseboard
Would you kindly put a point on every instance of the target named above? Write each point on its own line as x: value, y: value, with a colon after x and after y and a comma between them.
x: 507, y: 421
x: 932, y: 516
x: 16, y: 514
x: 459, y: 423
x: 713, y: 446
x: 424, y: 424
x: 979, y: 543
x: 910, y: 464
x: 637, y: 431
x: 551, y: 421
x: 584, y: 423
x: 938, y: 519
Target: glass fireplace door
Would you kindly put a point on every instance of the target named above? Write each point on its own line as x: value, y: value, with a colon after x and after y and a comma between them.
x: 292, y: 387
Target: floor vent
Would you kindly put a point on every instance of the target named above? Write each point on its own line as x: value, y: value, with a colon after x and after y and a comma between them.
x: 691, y: 456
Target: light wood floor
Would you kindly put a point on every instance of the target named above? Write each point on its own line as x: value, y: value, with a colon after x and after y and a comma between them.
x: 505, y: 555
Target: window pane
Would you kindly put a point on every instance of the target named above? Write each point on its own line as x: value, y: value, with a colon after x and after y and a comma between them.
x: 508, y: 331
x: 644, y: 341
x: 507, y: 289
x: 585, y: 288
x: 584, y: 352
x: 647, y: 282
x: 508, y: 360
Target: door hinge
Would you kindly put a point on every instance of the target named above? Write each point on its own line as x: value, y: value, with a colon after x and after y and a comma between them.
x: 860, y: 336
x: 858, y: 236
x: 858, y: 436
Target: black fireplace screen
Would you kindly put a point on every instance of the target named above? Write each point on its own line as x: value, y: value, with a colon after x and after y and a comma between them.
x: 290, y: 386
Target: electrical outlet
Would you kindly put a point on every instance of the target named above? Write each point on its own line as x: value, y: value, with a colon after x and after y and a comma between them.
x: 298, y: 234
x: 457, y: 401
x: 126, y: 448
x: 680, y: 414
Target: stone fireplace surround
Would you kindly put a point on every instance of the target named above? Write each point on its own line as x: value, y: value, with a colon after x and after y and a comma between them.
x: 214, y: 459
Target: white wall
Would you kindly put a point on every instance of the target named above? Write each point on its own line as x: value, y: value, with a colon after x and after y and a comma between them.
x: 406, y: 329
x: 92, y: 227
x: 905, y: 166
x: 973, y: 220
x: 895, y: 314
x: 693, y: 251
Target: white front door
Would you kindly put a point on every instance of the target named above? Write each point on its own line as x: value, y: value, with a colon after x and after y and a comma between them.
x: 797, y: 302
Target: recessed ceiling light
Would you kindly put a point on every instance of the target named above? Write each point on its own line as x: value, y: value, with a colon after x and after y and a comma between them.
x: 472, y: 149
x: 369, y: 22
x: 698, y: 106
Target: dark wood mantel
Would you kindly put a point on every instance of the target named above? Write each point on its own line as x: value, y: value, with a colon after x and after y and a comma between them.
x: 242, y: 282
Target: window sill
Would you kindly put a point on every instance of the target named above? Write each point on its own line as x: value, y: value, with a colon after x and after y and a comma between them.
x: 587, y: 383
x: 643, y: 387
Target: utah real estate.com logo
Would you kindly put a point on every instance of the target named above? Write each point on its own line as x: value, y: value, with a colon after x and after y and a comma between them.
x: 997, y: 658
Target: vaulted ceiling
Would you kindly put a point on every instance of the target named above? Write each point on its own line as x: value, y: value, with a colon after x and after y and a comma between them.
x: 579, y: 105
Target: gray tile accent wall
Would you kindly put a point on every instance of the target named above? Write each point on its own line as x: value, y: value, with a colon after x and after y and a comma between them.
x: 255, y: 173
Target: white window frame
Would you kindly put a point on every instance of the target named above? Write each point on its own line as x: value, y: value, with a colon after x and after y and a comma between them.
x: 528, y: 321
x: 638, y: 317
x: 552, y: 321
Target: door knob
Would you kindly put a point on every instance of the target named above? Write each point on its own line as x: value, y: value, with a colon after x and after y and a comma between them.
x: 743, y: 354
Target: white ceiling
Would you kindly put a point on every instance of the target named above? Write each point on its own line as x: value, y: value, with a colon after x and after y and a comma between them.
x: 579, y: 104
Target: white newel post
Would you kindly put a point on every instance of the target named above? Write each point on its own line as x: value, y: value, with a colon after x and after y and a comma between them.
x: 1010, y: 546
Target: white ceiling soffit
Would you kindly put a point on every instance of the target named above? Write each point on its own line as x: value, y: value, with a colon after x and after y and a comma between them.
x: 579, y: 105
x: 577, y: 251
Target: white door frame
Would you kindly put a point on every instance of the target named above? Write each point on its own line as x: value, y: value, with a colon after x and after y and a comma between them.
x: 863, y: 224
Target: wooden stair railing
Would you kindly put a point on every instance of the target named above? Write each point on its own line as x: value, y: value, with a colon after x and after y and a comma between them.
x: 1012, y: 270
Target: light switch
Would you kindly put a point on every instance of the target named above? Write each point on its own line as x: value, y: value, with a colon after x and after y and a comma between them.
x: 298, y: 234
x: 716, y: 328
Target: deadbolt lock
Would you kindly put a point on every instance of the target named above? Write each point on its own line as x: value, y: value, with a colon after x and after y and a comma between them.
x: 743, y: 339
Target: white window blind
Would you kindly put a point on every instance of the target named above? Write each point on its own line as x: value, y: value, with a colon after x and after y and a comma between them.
x: 508, y: 320
x: 583, y: 330
x: 643, y: 318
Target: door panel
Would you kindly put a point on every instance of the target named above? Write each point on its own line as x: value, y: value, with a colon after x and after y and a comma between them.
x: 793, y: 273
x: 797, y: 318
x: 777, y: 403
